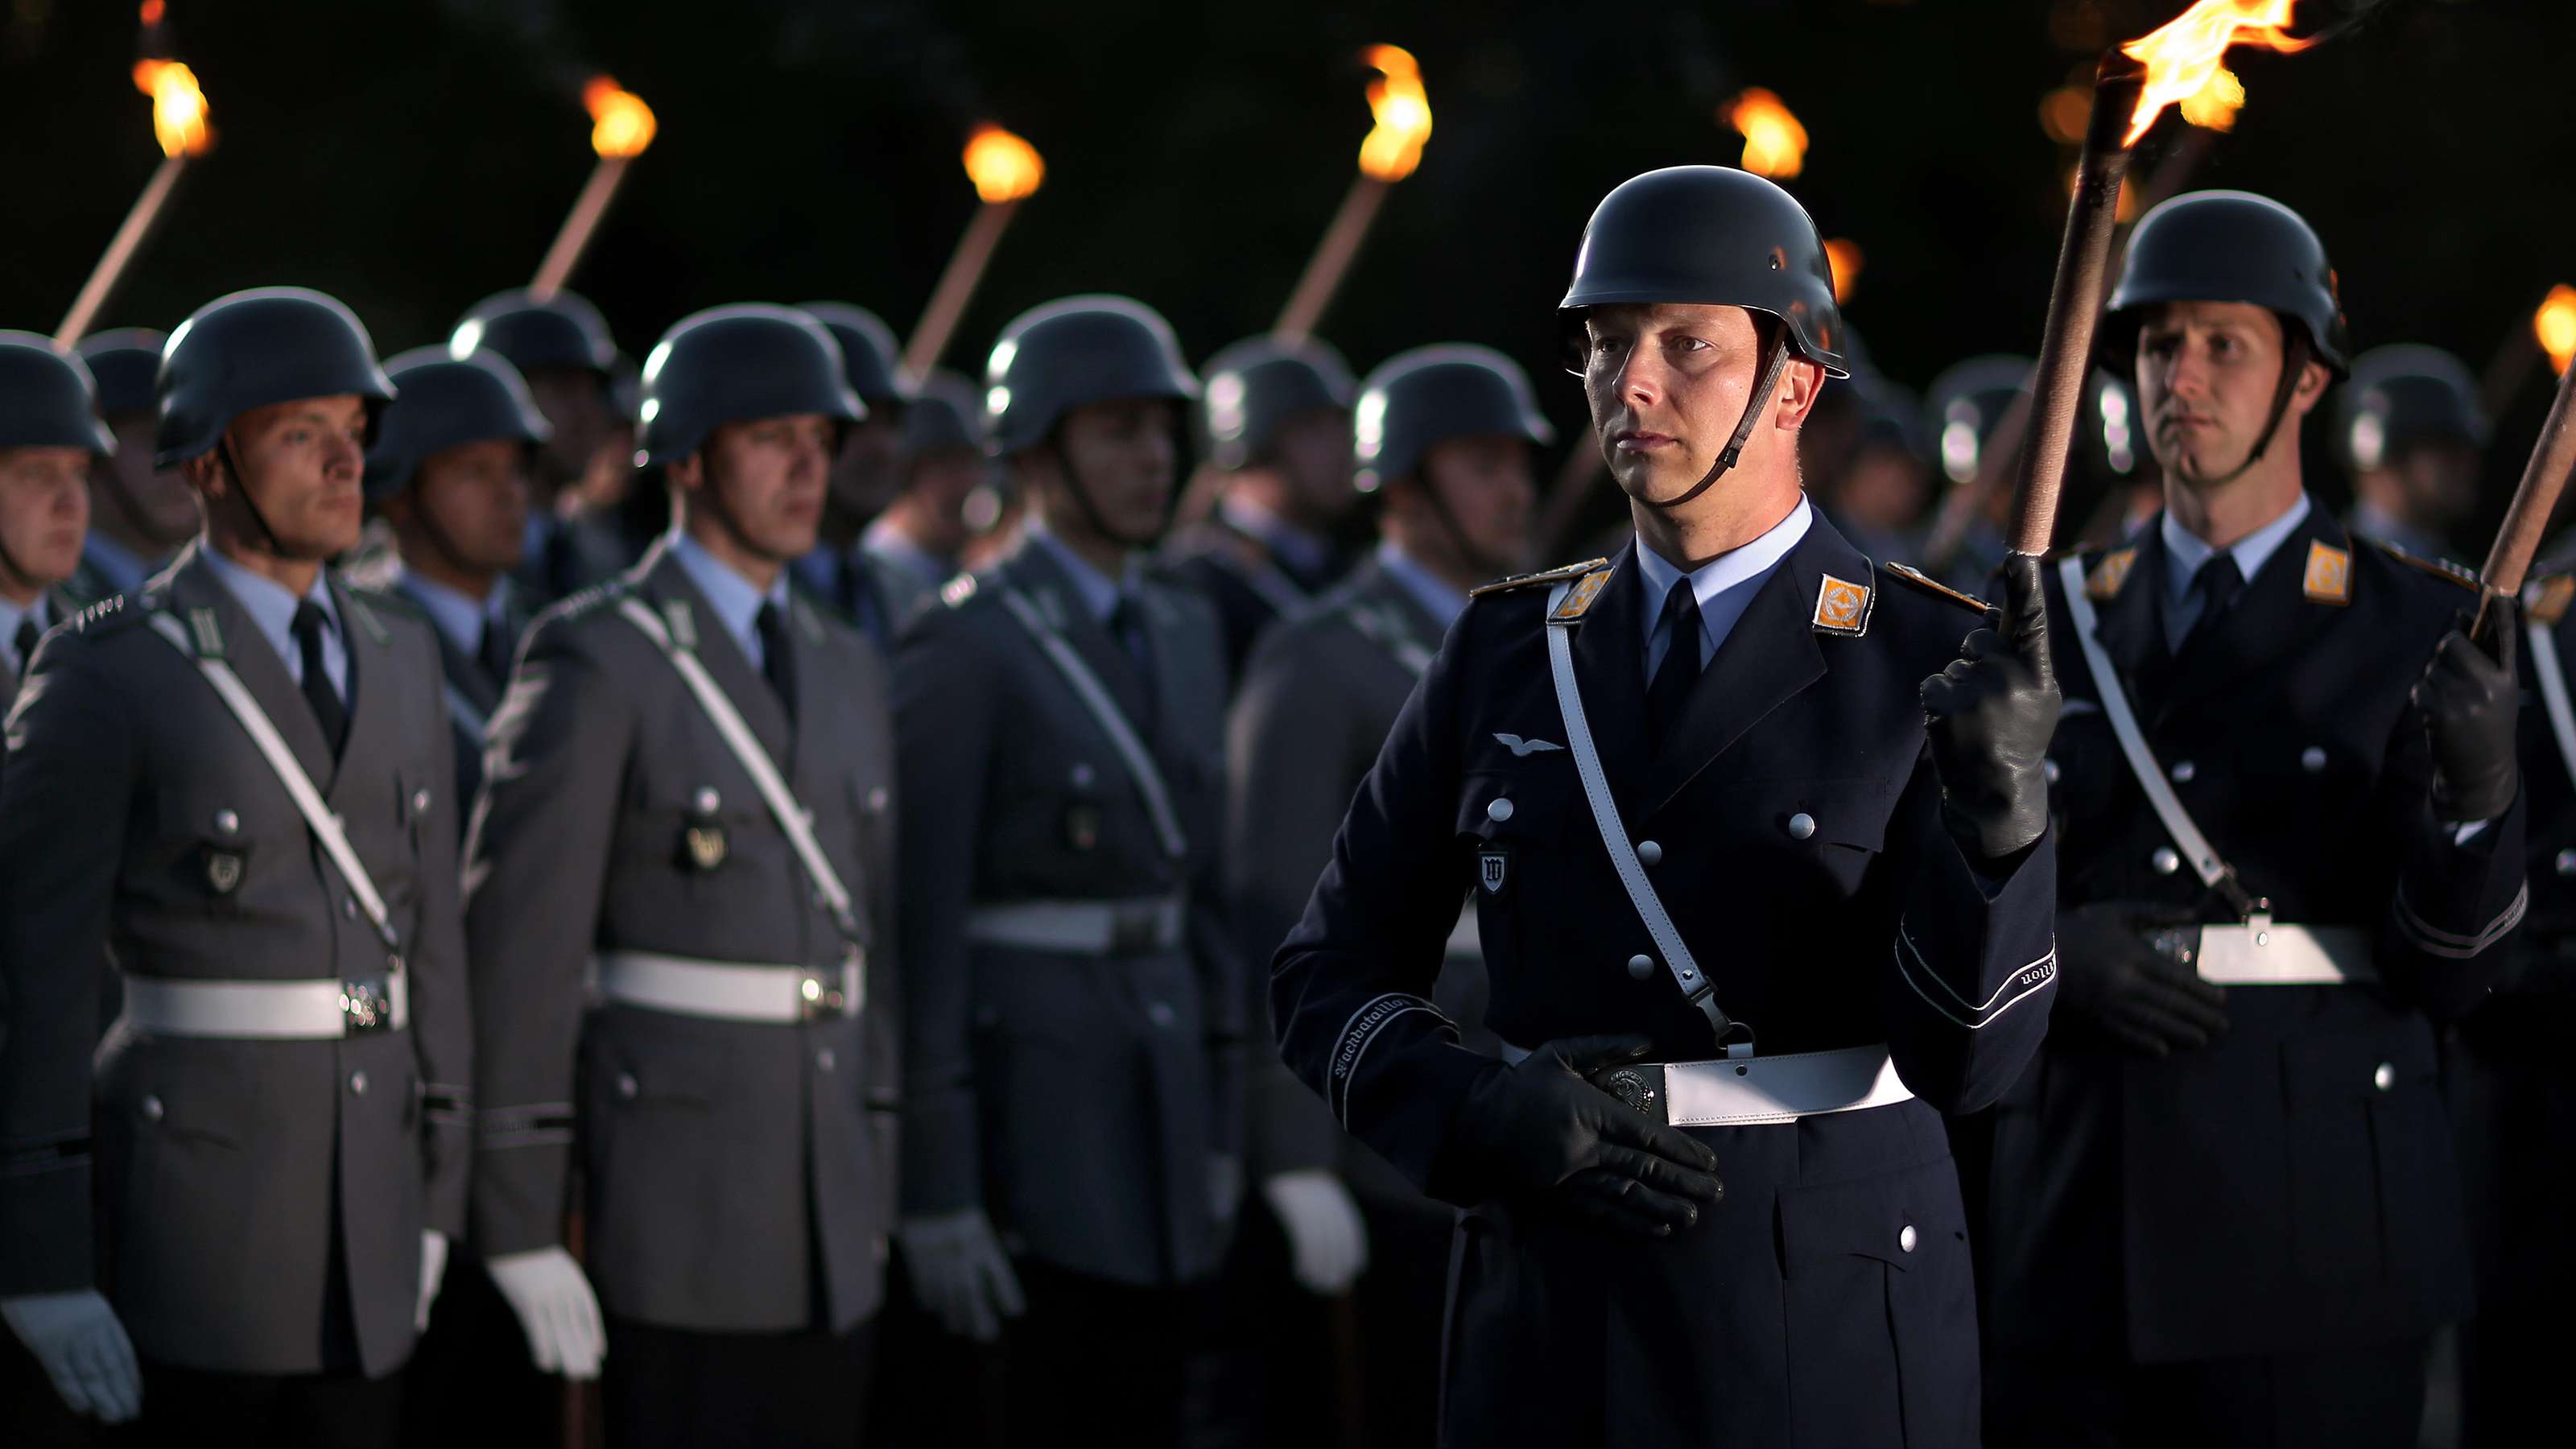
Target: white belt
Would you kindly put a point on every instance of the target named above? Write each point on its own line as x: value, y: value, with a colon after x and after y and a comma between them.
x: 1744, y: 1091
x: 265, y: 1010
x: 727, y: 990
x: 1084, y: 928
x: 2260, y: 953
x: 1465, y: 941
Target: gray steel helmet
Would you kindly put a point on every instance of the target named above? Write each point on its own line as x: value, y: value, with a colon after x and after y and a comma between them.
x: 2226, y: 246
x: 1416, y: 400
x: 562, y: 332
x: 1072, y: 353
x: 47, y: 397
x: 869, y: 354
x: 944, y: 413
x: 446, y: 402
x: 125, y: 362
x: 251, y: 349
x: 2406, y: 394
x: 1966, y: 403
x: 736, y: 364
x: 1259, y: 383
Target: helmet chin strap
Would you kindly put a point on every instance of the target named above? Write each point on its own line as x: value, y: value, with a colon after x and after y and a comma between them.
x: 1476, y: 559
x: 241, y: 488
x: 2294, y: 365
x: 1091, y: 514
x: 1754, y: 407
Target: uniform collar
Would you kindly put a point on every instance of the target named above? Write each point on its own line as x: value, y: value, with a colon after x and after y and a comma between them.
x: 1291, y: 545
x: 122, y: 568
x: 1100, y: 593
x: 462, y: 619
x: 1437, y: 596
x: 735, y: 602
x: 1726, y: 584
x: 892, y: 544
x: 2185, y: 552
x: 11, y: 615
x: 270, y: 606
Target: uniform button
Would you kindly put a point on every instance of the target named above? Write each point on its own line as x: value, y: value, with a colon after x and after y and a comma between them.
x: 420, y: 802
x: 2164, y: 861
x: 1159, y: 1013
x: 2048, y: 768
x: 1649, y: 853
x: 1081, y: 777
x: 151, y: 1109
x: 1905, y: 1240
x: 357, y: 1084
x: 349, y: 908
x: 1498, y: 811
x: 2384, y: 1076
x: 1641, y: 967
x: 227, y: 823
x: 2182, y: 772
x: 626, y: 1087
x: 823, y: 1060
x: 706, y: 801
x: 1801, y: 825
x: 2312, y: 759
x: 2567, y: 862
x: 877, y: 800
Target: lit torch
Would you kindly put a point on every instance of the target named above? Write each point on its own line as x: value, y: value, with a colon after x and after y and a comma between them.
x: 1775, y: 145
x: 621, y: 127
x: 179, y: 122
x: 2174, y: 64
x: 2544, y: 476
x: 1006, y: 171
x: 1388, y: 155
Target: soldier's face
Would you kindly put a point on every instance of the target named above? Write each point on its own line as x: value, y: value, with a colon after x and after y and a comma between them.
x: 2438, y: 479
x: 575, y: 401
x: 868, y: 471
x: 1488, y: 488
x: 764, y: 481
x: 942, y: 480
x: 300, y: 462
x: 157, y: 500
x: 2206, y: 374
x: 1667, y: 385
x: 1124, y: 456
x: 474, y: 497
x: 44, y: 515
x: 1313, y: 450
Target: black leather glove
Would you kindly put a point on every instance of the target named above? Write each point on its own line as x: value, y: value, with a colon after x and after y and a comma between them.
x: 2469, y: 699
x: 1990, y: 716
x: 1538, y: 1128
x: 2110, y: 978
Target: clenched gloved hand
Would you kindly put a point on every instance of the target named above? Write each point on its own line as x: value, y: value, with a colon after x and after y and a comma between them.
x: 2469, y: 697
x: 2109, y: 977
x: 1538, y: 1127
x: 1990, y: 715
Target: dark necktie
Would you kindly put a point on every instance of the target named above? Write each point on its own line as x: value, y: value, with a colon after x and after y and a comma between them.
x: 25, y: 642
x: 859, y: 597
x: 1127, y: 626
x: 2216, y: 586
x: 1679, y: 672
x: 328, y: 710
x: 777, y: 660
x: 494, y: 652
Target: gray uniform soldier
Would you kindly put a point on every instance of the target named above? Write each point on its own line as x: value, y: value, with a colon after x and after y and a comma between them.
x: 238, y: 780
x: 50, y: 440
x: 1445, y: 449
x: 690, y: 783
x: 1073, y: 997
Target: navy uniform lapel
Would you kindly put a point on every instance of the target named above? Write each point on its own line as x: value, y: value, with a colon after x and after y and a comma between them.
x: 1769, y: 656
x: 192, y: 585
x: 2273, y: 618
x: 1610, y: 669
x: 460, y: 669
x: 1035, y: 573
x: 662, y: 582
x: 2131, y: 623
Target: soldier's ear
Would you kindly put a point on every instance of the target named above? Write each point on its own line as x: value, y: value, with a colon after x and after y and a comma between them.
x: 689, y: 474
x: 1801, y: 383
x: 2314, y: 378
x: 205, y: 473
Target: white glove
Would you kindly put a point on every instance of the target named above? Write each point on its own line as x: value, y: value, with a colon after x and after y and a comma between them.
x: 960, y: 1273
x: 1225, y: 1187
x: 83, y: 1348
x: 433, y: 1272
x: 556, y: 1310
x: 1327, y: 1240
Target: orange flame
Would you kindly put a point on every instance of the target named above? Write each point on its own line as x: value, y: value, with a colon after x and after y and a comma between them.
x: 2182, y: 57
x: 1775, y: 145
x: 1002, y: 166
x: 178, y: 107
x: 1394, y: 145
x: 1845, y: 257
x: 621, y: 124
x: 153, y: 11
x: 2214, y: 106
x: 2555, y: 323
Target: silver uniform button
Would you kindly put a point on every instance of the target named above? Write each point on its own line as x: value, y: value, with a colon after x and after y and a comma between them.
x: 2049, y: 770
x: 2384, y: 1077
x: 349, y: 908
x: 227, y: 823
x: 1081, y: 776
x: 877, y: 800
x: 1498, y: 811
x: 1159, y: 1013
x: 706, y: 801
x: 357, y: 1084
x: 420, y: 802
x: 2164, y: 861
x: 1649, y: 853
x: 626, y: 1086
x: 2567, y: 862
x: 824, y: 1060
x: 1641, y: 967
x: 1906, y: 1239
x: 1801, y: 825
x: 151, y: 1109
x: 2312, y: 759
x: 2182, y: 772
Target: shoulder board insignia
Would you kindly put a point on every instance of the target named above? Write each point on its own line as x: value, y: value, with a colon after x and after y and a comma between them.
x: 957, y: 590
x: 1578, y: 600
x: 1544, y: 576
x: 2439, y: 568
x: 1842, y: 607
x: 2547, y: 599
x: 1930, y: 585
x: 2103, y: 584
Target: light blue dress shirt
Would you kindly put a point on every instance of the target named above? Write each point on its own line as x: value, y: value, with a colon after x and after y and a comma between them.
x: 1100, y: 593
x: 1725, y: 585
x: 2184, y: 554
x: 122, y: 568
x: 1428, y: 589
x: 272, y: 611
x: 735, y: 602
x: 10, y: 617
x: 461, y: 619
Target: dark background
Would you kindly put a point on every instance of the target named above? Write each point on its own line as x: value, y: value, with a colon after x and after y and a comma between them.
x: 412, y: 155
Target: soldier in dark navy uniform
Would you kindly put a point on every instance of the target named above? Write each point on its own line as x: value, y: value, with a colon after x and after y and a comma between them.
x: 2225, y: 1207
x: 1759, y: 898
x: 2411, y: 434
x: 562, y: 348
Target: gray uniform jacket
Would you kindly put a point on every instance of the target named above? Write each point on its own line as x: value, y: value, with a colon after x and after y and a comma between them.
x: 1077, y: 1098
x: 252, y: 1206
x: 1319, y: 694
x: 739, y: 1175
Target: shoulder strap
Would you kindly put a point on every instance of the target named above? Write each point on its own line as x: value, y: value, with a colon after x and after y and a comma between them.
x: 791, y: 815
x: 1614, y: 836
x: 1105, y: 713
x: 2551, y: 676
x: 281, y: 760
x: 2214, y: 872
x: 1384, y: 626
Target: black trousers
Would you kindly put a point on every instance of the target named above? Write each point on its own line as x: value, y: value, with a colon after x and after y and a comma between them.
x: 677, y: 1387
x: 2366, y: 1398
x: 194, y: 1409
x: 1094, y: 1362
x: 471, y: 1381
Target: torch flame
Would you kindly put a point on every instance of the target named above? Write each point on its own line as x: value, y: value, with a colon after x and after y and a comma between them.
x: 621, y: 124
x: 2214, y: 106
x: 2182, y: 57
x: 178, y: 107
x: 1775, y: 145
x: 2555, y: 323
x: 1002, y: 166
x: 1394, y: 145
x: 1844, y: 255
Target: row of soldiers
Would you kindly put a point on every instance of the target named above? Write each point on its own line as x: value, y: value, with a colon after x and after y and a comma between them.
x: 781, y: 917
